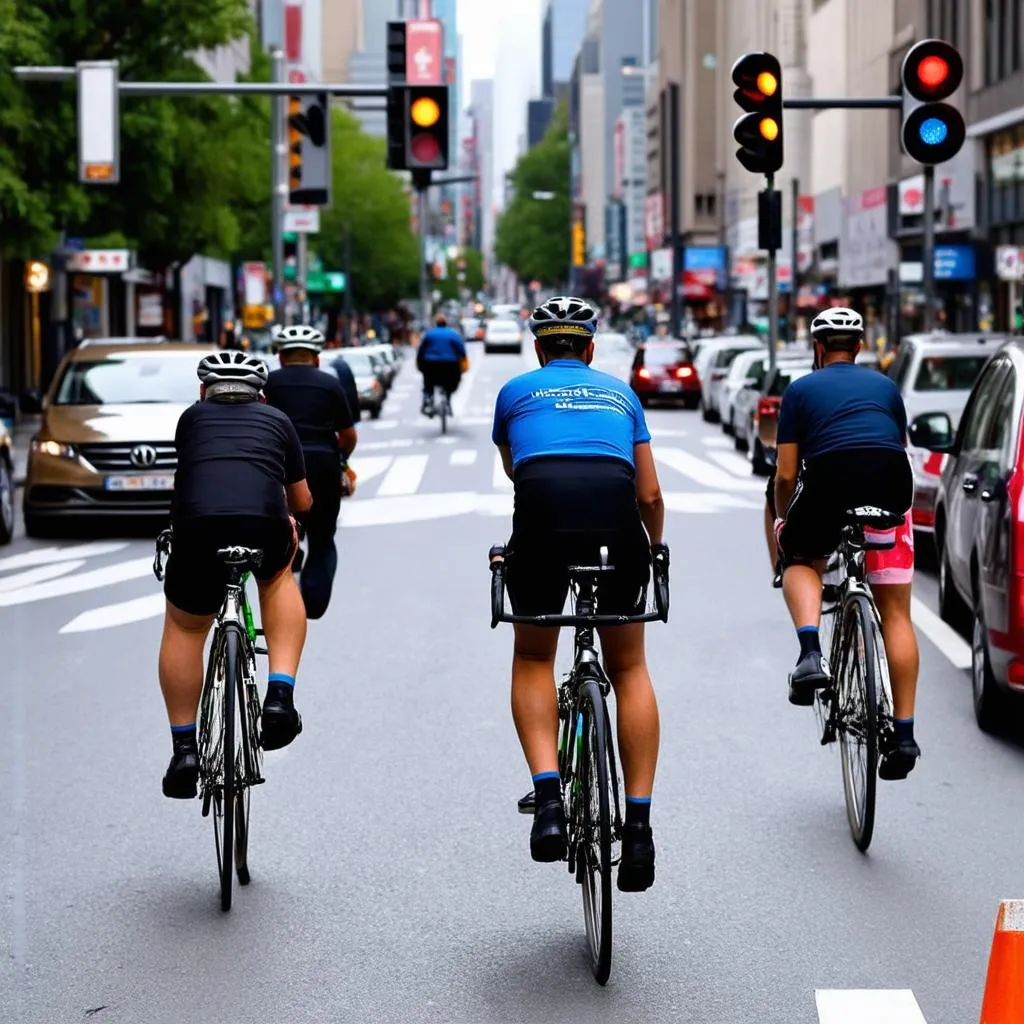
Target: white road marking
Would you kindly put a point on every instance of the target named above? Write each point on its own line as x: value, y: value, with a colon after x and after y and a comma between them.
x: 460, y: 399
x: 382, y: 424
x: 107, y: 616
x: 733, y: 463
x: 121, y: 572
x: 944, y: 637
x: 499, y: 481
x: 463, y: 457
x: 367, y: 467
x: 703, y: 502
x: 37, y: 575
x: 702, y: 472
x: 868, y: 1006
x: 446, y: 440
x: 404, y: 477
x: 666, y: 432
x: 716, y: 442
x: 44, y: 556
x: 376, y: 446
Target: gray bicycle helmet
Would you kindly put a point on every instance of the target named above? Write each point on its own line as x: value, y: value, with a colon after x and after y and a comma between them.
x: 232, y: 373
x: 564, y: 319
x: 297, y: 336
x: 837, y: 327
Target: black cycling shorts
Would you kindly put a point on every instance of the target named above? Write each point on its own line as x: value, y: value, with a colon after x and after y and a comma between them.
x: 445, y: 375
x: 566, y: 509
x: 196, y: 578
x: 831, y: 484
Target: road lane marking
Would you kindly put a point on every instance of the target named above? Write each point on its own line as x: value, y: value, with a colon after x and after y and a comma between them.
x: 657, y: 432
x: 404, y: 477
x: 121, y: 572
x: 463, y: 457
x: 732, y: 462
x: 942, y: 636
x: 461, y: 397
x: 499, y: 481
x: 382, y: 424
x: 44, y: 556
x: 38, y: 575
x: 704, y: 502
x: 703, y: 472
x: 861, y: 1006
x: 716, y: 442
x: 107, y: 616
x: 369, y: 466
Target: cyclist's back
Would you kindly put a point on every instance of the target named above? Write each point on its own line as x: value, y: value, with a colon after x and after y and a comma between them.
x: 442, y: 344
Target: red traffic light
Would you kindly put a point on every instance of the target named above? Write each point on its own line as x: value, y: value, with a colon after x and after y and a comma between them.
x: 932, y: 70
x: 425, y: 149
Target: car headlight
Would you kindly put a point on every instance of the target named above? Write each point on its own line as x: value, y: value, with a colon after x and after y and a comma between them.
x: 56, y: 449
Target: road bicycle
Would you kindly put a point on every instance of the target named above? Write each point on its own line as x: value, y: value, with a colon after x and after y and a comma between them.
x: 440, y: 405
x: 230, y: 757
x: 856, y: 707
x: 586, y: 748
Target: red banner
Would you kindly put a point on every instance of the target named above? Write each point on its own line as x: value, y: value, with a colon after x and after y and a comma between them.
x: 449, y: 71
x: 293, y: 32
x: 424, y: 46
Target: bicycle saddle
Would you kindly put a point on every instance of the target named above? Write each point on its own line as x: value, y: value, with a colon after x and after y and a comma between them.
x: 240, y: 556
x: 872, y: 518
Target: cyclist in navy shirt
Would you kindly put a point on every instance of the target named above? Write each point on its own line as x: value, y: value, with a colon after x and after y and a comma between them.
x: 841, y: 446
x: 439, y: 358
x: 576, y: 446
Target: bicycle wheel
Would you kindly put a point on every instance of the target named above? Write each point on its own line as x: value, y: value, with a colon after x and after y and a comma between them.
x: 444, y: 413
x: 857, y: 696
x: 224, y: 800
x: 594, y: 833
x: 247, y: 770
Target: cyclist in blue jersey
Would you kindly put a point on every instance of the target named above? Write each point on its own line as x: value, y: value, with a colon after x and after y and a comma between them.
x: 576, y: 446
x: 439, y: 358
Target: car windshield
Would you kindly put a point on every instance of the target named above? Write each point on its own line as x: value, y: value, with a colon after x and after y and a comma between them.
x: 130, y: 380
x: 666, y: 355
x: 360, y: 363
x: 503, y: 327
x: 949, y: 373
x: 786, y: 377
x: 727, y: 355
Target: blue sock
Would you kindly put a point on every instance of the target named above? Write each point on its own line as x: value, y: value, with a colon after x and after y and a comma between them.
x: 638, y: 810
x: 281, y: 687
x: 183, y: 735
x: 904, y: 729
x: 547, y: 787
x: 810, y: 643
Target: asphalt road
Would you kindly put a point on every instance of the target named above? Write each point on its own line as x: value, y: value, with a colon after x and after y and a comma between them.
x: 391, y: 874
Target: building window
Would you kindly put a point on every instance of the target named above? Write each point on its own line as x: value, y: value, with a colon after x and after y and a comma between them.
x: 712, y: 204
x: 698, y: 204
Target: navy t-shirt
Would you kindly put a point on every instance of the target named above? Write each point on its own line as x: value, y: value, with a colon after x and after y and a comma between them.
x: 842, y: 406
x: 567, y: 409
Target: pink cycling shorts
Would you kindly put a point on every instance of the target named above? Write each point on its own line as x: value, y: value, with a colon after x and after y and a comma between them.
x: 895, y: 564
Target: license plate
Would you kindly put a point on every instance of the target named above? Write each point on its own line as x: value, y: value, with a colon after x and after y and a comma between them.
x: 139, y: 483
x: 671, y: 385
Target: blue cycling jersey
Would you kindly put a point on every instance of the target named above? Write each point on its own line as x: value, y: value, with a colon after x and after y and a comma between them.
x: 568, y: 409
x: 442, y: 345
x: 842, y: 406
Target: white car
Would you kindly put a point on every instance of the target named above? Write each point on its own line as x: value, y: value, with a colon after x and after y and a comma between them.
x: 712, y: 365
x: 747, y: 368
x: 503, y: 336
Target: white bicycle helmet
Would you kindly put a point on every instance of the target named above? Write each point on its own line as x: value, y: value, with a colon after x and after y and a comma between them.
x: 837, y: 325
x: 297, y: 336
x: 239, y: 369
x: 566, y: 318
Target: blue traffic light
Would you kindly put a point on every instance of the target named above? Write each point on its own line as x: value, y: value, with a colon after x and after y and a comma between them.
x: 933, y: 132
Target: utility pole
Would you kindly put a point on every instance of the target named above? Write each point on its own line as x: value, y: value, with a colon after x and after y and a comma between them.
x: 348, y: 284
x: 421, y: 214
x: 301, y: 272
x: 794, y: 261
x: 928, y: 248
x: 677, y: 254
x: 277, y: 184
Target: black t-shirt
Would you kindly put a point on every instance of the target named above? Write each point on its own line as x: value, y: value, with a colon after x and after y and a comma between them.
x: 234, y: 459
x: 314, y: 401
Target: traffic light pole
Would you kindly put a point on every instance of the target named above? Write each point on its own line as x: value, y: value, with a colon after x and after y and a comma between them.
x: 794, y: 262
x: 277, y: 186
x: 928, y: 249
x: 421, y: 217
x: 773, y: 293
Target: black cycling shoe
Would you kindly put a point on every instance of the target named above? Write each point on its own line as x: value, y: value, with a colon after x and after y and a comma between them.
x: 636, y: 869
x: 811, y: 674
x: 182, y: 776
x: 528, y: 804
x: 899, y: 761
x: 281, y: 724
x: 548, y: 840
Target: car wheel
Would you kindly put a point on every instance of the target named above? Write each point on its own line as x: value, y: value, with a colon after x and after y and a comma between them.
x: 990, y: 703
x: 691, y: 403
x: 705, y: 412
x: 727, y: 426
x: 36, y: 527
x: 952, y: 609
x: 644, y: 401
x: 758, y: 461
x: 6, y: 502
x: 375, y: 412
x: 739, y: 442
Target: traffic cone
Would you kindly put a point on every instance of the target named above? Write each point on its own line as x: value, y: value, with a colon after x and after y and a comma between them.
x: 1004, y: 986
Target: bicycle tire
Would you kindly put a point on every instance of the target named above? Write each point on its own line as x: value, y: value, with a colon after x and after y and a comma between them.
x: 444, y: 413
x: 248, y: 770
x: 595, y: 857
x: 857, y: 696
x: 232, y: 641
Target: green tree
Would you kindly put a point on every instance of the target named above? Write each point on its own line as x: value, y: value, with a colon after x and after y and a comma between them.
x: 532, y: 235
x: 451, y: 287
x: 186, y: 163
x: 370, y: 205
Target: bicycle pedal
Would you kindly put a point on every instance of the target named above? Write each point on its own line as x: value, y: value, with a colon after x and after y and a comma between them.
x: 260, y: 650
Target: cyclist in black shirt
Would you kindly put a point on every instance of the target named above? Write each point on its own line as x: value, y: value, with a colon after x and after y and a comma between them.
x: 240, y: 470
x: 315, y: 403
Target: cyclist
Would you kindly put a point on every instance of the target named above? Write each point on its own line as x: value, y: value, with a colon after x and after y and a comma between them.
x: 440, y: 358
x: 240, y: 471
x: 316, y: 404
x: 576, y: 446
x: 841, y: 445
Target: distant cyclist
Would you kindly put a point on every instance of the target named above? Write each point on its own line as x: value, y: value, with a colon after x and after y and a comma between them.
x: 440, y: 358
x: 841, y: 445
x: 240, y: 470
x: 316, y: 404
x: 576, y: 446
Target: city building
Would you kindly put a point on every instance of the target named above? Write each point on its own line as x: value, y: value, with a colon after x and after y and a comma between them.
x: 562, y: 29
x: 368, y: 65
x: 342, y: 35
x: 482, y: 113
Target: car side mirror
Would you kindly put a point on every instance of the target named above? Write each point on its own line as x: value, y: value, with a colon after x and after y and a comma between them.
x: 932, y: 430
x: 31, y: 402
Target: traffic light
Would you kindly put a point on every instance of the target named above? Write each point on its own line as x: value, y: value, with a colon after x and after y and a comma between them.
x: 396, y: 81
x: 309, y: 151
x: 758, y: 80
x: 426, y: 127
x: 932, y: 131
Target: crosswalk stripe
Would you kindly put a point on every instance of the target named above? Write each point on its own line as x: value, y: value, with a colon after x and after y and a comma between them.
x: 857, y: 1006
x: 463, y: 457
x: 499, y: 480
x: 732, y: 462
x: 121, y: 614
x: 716, y: 442
x: 368, y: 467
x: 121, y: 572
x: 44, y: 556
x: 39, y: 574
x: 702, y: 472
x: 404, y: 476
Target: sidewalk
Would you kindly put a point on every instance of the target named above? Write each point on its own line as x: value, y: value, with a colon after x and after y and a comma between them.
x: 23, y: 434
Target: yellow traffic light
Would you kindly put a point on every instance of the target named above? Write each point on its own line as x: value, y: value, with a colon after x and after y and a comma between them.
x: 769, y: 129
x: 425, y: 112
x: 37, y: 276
x: 767, y: 83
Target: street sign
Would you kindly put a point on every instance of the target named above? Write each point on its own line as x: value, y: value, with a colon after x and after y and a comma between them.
x: 1009, y: 265
x: 99, y: 120
x: 424, y: 43
x: 330, y: 282
x: 302, y: 221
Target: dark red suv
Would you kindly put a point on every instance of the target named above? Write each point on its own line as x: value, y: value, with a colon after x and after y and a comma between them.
x: 663, y: 371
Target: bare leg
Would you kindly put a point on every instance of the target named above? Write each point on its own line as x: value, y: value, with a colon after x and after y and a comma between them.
x: 534, y: 702
x: 284, y: 622
x: 901, y: 650
x: 181, y: 663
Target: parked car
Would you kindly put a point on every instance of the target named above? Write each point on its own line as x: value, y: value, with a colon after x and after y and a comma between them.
x: 763, y: 423
x: 503, y: 335
x: 368, y: 384
x: 387, y: 362
x: 712, y: 365
x: 747, y: 368
x: 979, y: 528
x: 6, y: 485
x: 662, y: 371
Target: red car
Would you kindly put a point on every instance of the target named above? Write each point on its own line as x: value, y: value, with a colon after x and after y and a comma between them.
x: 663, y: 371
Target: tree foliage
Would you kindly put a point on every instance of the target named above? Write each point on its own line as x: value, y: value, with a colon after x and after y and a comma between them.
x: 370, y: 204
x: 532, y: 235
x: 195, y: 171
x: 451, y: 287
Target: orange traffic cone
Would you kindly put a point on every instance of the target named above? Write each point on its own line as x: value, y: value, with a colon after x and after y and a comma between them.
x: 1004, y: 986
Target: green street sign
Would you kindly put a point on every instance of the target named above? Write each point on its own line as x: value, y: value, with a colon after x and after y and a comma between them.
x: 638, y: 259
x: 290, y: 236
x: 331, y: 281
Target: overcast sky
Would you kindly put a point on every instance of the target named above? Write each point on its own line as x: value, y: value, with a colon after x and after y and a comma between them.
x: 478, y: 20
